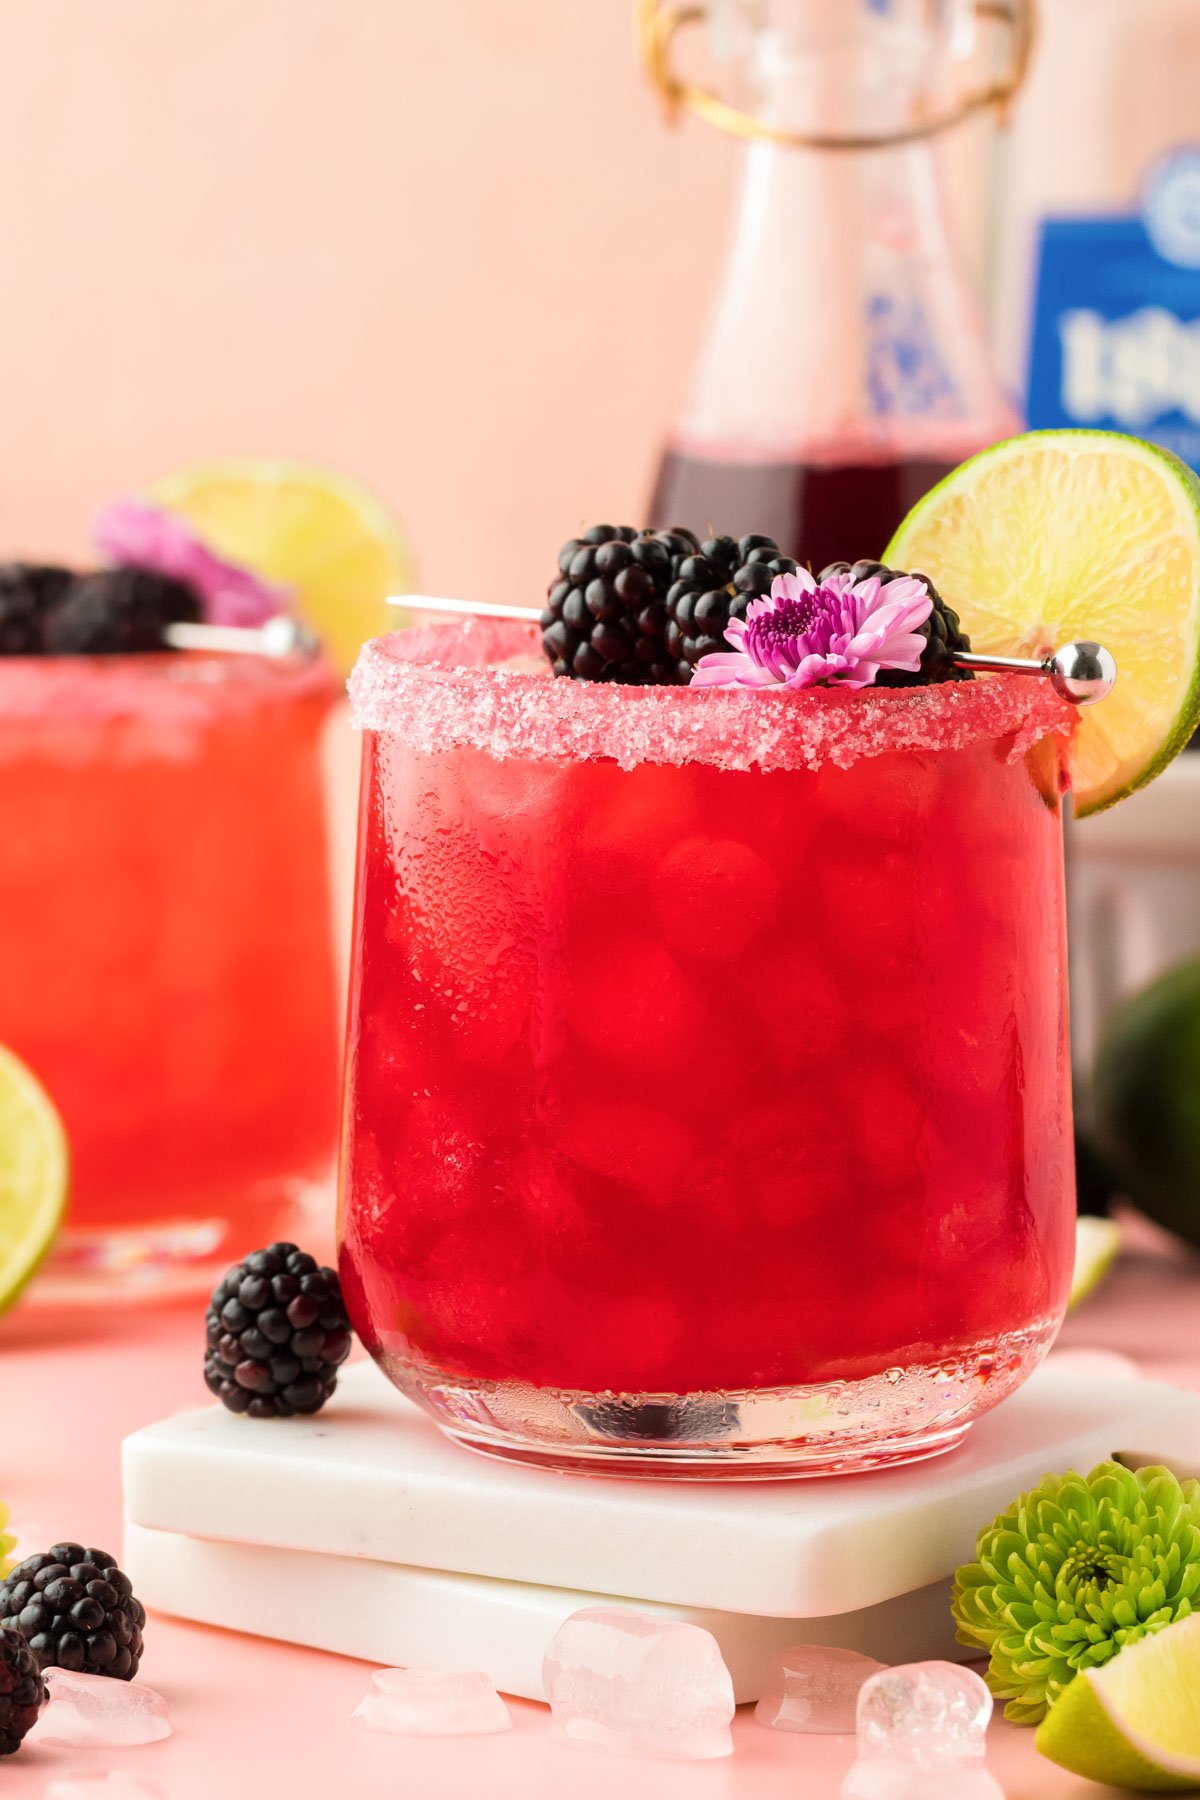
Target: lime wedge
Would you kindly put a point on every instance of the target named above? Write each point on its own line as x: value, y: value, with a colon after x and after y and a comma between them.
x: 312, y: 530
x: 33, y: 1175
x: 1097, y: 1243
x: 1060, y: 535
x: 1135, y: 1723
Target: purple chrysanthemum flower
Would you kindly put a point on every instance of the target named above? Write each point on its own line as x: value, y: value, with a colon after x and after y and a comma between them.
x: 840, y: 632
x: 135, y: 535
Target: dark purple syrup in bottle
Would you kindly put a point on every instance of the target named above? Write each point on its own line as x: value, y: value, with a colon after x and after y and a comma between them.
x: 817, y: 512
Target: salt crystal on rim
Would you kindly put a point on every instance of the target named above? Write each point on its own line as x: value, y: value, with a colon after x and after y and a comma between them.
x: 440, y: 688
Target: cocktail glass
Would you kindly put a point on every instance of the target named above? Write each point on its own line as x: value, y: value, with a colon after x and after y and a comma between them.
x: 708, y: 1098
x: 166, y: 950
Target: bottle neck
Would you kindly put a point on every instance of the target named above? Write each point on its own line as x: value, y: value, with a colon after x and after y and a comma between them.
x: 836, y: 69
x: 843, y: 325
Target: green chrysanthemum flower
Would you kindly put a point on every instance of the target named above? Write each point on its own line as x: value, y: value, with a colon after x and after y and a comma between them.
x: 1075, y: 1570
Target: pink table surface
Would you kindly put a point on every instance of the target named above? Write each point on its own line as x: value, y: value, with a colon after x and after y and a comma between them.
x: 253, y: 1717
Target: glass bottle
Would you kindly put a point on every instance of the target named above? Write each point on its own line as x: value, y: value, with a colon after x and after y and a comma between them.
x: 845, y: 367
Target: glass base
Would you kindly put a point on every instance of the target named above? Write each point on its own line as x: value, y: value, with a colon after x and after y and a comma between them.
x: 176, y: 1258
x: 903, y: 1414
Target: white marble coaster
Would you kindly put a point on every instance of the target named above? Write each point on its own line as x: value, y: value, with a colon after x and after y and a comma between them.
x: 421, y: 1618
x: 372, y: 1478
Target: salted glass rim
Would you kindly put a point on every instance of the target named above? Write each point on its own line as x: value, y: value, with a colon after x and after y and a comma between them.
x: 477, y: 684
x: 175, y: 683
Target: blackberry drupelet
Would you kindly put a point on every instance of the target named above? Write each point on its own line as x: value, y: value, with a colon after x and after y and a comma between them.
x: 77, y: 1611
x: 116, y: 612
x: 22, y: 1689
x: 277, y: 1334
x: 28, y: 591
x: 714, y: 585
x: 943, y: 632
x: 605, y: 617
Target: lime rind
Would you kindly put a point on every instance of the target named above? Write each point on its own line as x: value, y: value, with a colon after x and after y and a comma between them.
x: 1097, y: 1245
x: 34, y: 1176
x: 8, y: 1543
x: 310, y: 528
x: 1001, y: 631
x: 1101, y: 1727
x: 279, y: 473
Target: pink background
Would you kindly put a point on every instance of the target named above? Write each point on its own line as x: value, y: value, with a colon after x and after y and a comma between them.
x: 449, y: 247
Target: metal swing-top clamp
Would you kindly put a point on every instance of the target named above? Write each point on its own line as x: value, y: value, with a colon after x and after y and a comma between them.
x: 660, y: 21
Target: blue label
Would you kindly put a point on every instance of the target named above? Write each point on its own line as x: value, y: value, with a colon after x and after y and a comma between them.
x: 1116, y: 327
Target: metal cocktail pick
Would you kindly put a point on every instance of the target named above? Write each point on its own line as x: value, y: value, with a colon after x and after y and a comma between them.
x: 279, y: 637
x: 1082, y: 672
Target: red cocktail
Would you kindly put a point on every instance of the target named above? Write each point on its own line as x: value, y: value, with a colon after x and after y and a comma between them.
x: 708, y: 1096
x: 166, y: 961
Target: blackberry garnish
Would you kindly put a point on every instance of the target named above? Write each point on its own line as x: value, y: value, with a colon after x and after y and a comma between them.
x: 116, y: 612
x: 713, y: 585
x: 28, y: 591
x: 942, y: 631
x: 76, y: 1610
x: 277, y: 1333
x: 605, y: 617
x: 22, y: 1689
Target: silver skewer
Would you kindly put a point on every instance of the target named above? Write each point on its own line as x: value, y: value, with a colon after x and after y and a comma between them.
x: 465, y: 609
x: 1082, y: 672
x: 281, y: 636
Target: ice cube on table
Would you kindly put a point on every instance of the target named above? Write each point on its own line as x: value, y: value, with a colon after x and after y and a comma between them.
x: 901, y: 1781
x: 815, y: 1687
x: 432, y: 1703
x: 640, y: 1686
x: 927, y: 1715
x: 116, y: 1785
x: 87, y: 1710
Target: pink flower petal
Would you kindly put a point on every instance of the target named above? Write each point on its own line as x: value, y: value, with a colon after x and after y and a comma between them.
x: 136, y: 535
x: 727, y: 668
x: 837, y: 632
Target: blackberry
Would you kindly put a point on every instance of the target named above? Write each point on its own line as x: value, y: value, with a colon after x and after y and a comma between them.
x: 116, y: 612
x: 277, y: 1334
x: 943, y: 632
x: 77, y: 1611
x: 22, y: 1689
x: 28, y: 591
x: 713, y: 586
x: 605, y: 617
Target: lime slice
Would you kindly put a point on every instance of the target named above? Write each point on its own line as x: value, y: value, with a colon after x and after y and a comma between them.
x: 33, y: 1175
x: 1060, y: 535
x: 312, y: 530
x: 1097, y: 1243
x: 1135, y: 1723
